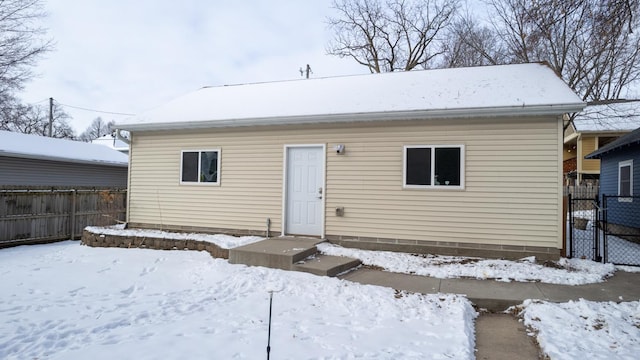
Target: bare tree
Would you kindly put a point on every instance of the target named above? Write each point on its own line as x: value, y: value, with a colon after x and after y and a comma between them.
x: 21, y: 42
x: 34, y: 119
x: 390, y: 35
x: 471, y: 44
x: 97, y: 129
x: 21, y: 45
x: 593, y: 45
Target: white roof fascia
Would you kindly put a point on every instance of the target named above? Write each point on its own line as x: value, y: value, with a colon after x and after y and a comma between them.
x: 524, y: 110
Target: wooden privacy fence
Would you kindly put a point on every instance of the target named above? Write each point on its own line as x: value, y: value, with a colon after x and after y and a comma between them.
x: 582, y: 191
x: 36, y: 216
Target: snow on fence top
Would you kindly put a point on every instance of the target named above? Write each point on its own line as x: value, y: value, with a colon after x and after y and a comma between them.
x: 520, y: 89
x: 19, y: 145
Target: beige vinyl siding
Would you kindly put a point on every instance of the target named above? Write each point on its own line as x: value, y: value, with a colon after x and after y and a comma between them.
x: 588, y: 145
x: 242, y: 200
x: 510, y: 197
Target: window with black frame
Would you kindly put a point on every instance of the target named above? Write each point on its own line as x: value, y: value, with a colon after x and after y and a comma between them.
x: 434, y: 166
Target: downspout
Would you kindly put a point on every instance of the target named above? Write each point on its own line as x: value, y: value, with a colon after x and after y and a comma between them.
x: 128, y: 142
x: 122, y: 138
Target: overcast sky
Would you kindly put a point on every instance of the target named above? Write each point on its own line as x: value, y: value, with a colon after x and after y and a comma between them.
x: 130, y: 56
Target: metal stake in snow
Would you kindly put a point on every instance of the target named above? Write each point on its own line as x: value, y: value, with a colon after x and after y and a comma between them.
x: 269, y: 336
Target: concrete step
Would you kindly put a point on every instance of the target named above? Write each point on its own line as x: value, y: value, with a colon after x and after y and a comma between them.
x: 326, y: 265
x: 276, y: 253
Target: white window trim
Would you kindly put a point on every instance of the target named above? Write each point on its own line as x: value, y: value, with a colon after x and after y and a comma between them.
x: 198, y: 183
x: 433, y: 167
x: 622, y: 164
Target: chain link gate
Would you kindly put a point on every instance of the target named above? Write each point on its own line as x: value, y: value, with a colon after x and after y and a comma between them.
x: 621, y: 229
x: 582, y: 228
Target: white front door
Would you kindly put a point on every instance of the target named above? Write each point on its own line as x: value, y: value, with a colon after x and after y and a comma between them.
x: 304, y: 190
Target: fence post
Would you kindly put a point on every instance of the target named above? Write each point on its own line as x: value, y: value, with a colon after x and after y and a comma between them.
x: 605, y: 246
x: 564, y: 225
x: 72, y: 216
x: 570, y: 225
x: 596, y: 231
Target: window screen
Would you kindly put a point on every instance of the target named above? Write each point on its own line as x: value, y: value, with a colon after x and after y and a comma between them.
x: 190, y: 166
x: 625, y: 180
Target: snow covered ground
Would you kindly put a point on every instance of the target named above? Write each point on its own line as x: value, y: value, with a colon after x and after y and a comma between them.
x: 566, y: 272
x: 585, y: 329
x: 67, y: 301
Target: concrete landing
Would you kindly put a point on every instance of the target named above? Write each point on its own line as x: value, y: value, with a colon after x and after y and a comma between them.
x: 291, y: 253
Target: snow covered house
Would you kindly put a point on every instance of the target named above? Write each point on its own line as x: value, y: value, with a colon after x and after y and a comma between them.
x: 591, y: 129
x: 451, y: 161
x: 31, y: 160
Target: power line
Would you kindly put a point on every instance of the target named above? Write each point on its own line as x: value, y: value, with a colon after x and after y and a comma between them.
x: 39, y: 102
x: 93, y: 110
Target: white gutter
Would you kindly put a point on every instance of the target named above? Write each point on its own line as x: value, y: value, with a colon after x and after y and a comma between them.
x: 343, y: 118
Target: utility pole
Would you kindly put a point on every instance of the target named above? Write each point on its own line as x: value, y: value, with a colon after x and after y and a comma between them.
x: 50, y: 117
x: 308, y: 70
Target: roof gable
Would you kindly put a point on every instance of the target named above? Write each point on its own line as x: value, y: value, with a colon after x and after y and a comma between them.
x: 460, y: 92
x: 19, y: 145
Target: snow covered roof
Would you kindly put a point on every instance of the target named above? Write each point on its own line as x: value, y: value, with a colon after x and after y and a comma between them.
x: 523, y: 89
x: 19, y: 145
x: 619, y: 116
x: 111, y: 141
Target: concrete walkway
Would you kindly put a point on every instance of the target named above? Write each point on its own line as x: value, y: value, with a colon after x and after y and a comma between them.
x: 498, y: 335
x: 497, y: 296
x: 502, y: 336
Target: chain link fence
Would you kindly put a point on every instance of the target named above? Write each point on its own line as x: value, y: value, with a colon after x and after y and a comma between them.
x: 621, y: 229
x: 582, y: 224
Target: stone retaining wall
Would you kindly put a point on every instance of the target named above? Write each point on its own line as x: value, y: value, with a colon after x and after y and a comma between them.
x: 104, y: 240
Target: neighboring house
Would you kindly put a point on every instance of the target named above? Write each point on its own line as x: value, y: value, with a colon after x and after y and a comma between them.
x: 453, y: 161
x: 113, y: 142
x: 591, y: 129
x: 31, y: 160
x: 620, y: 178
